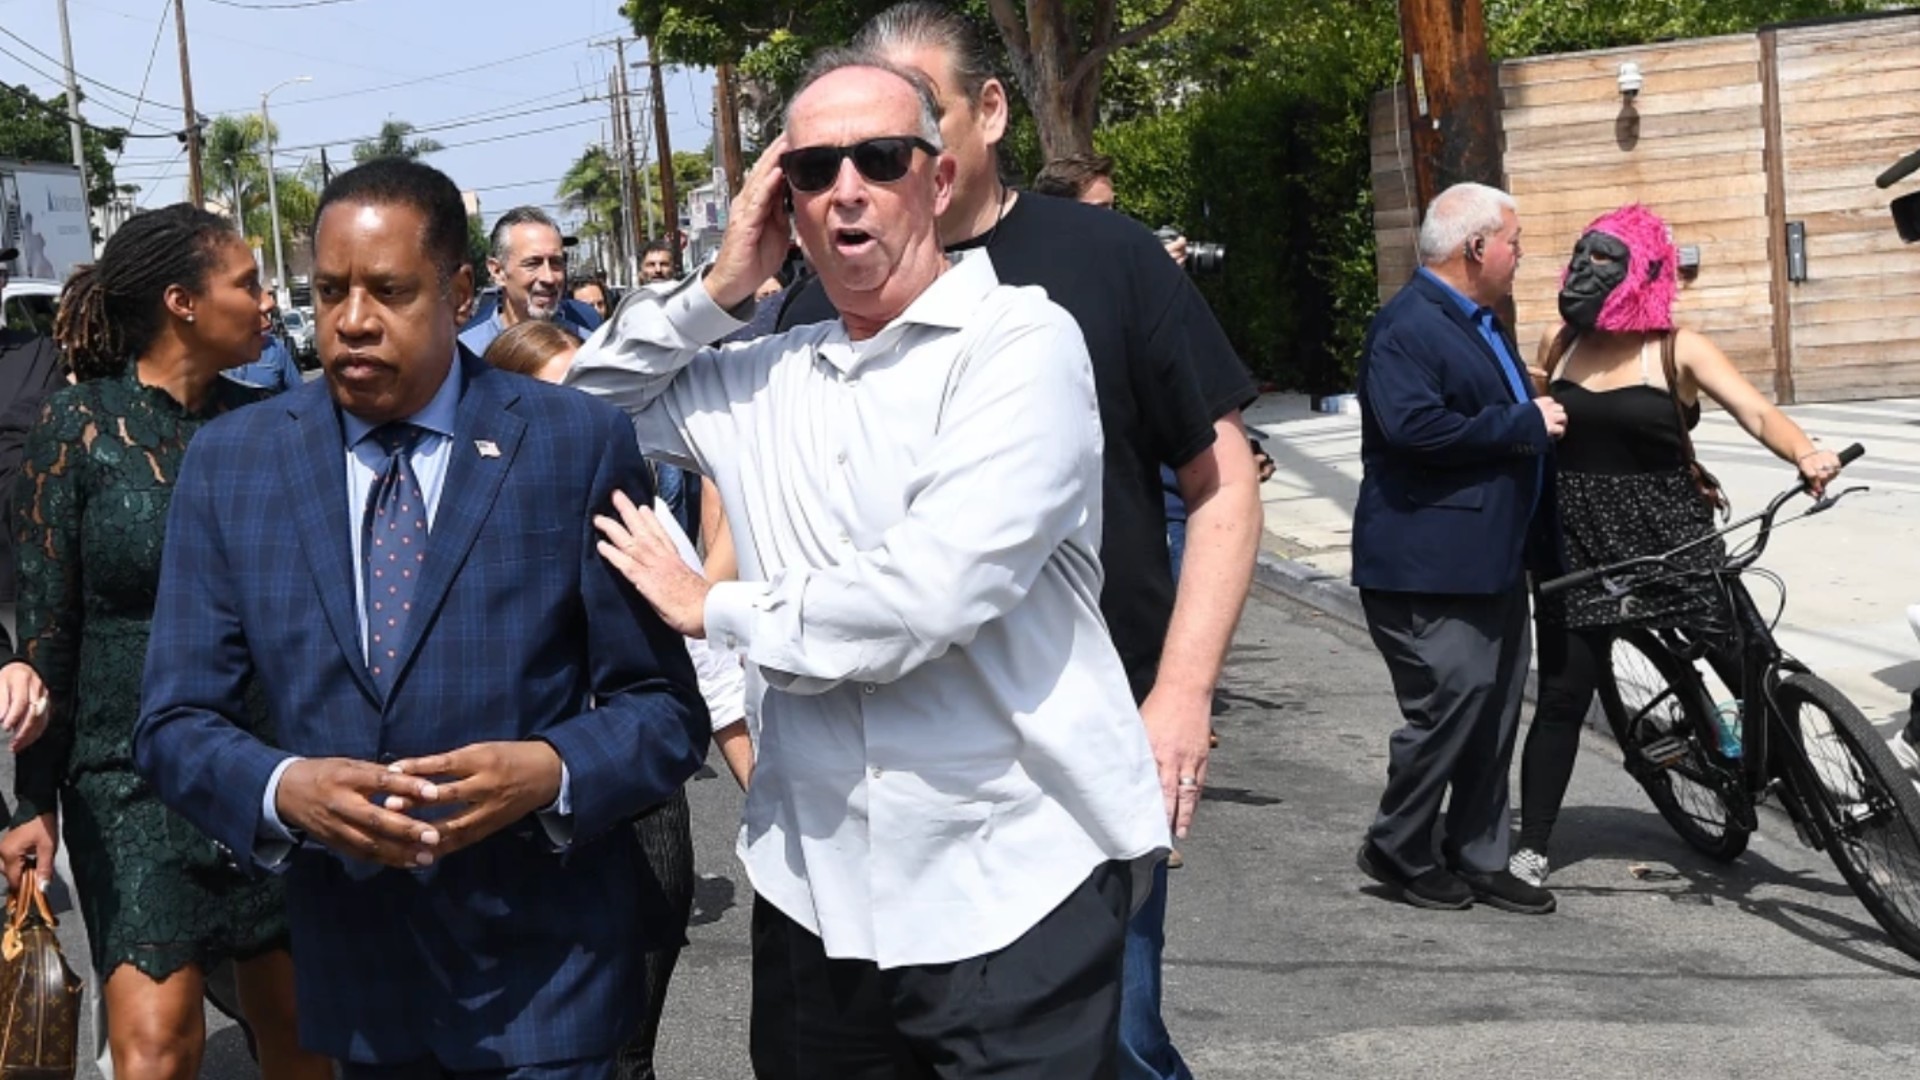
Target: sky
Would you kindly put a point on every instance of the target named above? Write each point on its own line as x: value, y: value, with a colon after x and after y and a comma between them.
x: 509, y: 77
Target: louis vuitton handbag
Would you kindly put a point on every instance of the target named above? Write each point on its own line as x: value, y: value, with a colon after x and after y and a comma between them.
x: 39, y: 993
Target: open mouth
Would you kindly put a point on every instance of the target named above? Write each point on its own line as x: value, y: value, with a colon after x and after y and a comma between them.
x: 851, y: 241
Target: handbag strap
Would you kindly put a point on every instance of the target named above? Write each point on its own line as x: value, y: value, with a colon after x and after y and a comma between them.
x: 1672, y: 370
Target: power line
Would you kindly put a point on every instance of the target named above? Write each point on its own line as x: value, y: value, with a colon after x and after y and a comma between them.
x: 280, y: 7
x: 62, y: 66
x: 166, y: 10
x: 429, y: 78
x: 27, y: 97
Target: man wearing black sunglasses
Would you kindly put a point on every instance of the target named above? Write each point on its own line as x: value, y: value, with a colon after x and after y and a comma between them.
x: 954, y: 795
x: 1171, y: 390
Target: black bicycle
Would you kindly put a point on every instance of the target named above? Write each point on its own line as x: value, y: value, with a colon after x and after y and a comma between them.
x: 1788, y: 734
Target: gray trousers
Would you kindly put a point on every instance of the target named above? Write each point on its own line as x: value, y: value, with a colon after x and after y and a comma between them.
x: 1459, y: 664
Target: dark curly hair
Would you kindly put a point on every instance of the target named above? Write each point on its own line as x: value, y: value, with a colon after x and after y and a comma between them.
x: 111, y: 310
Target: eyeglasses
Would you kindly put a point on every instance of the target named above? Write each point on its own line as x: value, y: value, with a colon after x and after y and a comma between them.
x: 883, y: 161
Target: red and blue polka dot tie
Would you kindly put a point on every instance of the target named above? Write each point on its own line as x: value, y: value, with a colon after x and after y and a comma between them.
x: 394, y: 546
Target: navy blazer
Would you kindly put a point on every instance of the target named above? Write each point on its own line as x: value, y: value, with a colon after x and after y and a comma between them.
x: 507, y: 953
x: 1457, y: 472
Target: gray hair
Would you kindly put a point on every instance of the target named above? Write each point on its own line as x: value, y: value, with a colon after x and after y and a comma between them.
x: 921, y: 24
x: 1459, y: 214
x: 828, y: 61
x: 519, y: 215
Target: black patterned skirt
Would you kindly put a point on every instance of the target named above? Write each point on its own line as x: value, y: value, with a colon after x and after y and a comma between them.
x: 1606, y: 518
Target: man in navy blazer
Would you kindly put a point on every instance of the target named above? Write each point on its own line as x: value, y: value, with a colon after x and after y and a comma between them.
x: 453, y: 749
x: 1456, y: 455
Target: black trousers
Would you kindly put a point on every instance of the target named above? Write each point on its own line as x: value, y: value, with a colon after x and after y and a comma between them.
x: 1047, y: 1005
x: 1459, y: 664
x: 1571, y: 662
x: 666, y: 840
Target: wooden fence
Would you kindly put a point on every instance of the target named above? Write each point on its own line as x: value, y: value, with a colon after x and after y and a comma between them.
x: 1730, y: 139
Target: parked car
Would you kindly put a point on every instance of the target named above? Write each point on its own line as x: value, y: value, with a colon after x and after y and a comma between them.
x: 30, y: 303
x: 299, y: 327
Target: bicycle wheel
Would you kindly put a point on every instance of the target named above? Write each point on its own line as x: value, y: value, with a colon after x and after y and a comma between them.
x: 1867, y: 811
x: 1659, y: 710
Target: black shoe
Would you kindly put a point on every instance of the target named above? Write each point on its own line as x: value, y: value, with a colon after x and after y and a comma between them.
x: 1508, y: 893
x: 1436, y: 889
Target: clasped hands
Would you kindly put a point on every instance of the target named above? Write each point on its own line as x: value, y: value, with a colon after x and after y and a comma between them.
x: 367, y: 811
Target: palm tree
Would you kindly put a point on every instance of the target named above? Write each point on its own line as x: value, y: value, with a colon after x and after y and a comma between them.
x: 393, y: 141
x: 592, y: 186
x: 232, y: 150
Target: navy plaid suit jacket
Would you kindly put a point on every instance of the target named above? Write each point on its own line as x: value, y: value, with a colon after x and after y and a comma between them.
x: 507, y: 953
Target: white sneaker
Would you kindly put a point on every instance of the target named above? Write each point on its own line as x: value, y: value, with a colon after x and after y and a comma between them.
x: 1529, y: 866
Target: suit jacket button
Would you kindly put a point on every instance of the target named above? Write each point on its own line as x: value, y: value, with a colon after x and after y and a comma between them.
x: 387, y: 759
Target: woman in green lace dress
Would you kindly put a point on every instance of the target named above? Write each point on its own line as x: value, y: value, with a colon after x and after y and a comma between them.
x: 175, y: 291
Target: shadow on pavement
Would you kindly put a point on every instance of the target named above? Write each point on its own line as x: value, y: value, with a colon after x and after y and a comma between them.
x: 1751, y: 883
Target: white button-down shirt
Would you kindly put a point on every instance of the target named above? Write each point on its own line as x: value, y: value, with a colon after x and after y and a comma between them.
x: 948, y: 747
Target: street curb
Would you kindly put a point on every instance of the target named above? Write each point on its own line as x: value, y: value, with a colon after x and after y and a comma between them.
x: 1324, y: 592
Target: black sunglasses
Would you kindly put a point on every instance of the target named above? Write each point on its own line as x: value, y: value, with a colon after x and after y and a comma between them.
x: 882, y: 160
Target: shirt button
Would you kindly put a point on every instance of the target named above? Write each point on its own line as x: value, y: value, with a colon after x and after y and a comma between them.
x: 868, y: 689
x: 876, y: 772
x: 841, y: 457
x: 845, y: 539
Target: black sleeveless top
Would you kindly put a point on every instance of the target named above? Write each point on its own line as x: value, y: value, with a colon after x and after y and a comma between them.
x: 1624, y: 430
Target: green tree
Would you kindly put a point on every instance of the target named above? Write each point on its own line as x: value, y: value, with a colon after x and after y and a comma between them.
x: 591, y: 186
x: 396, y: 139
x: 35, y: 129
x: 232, y: 153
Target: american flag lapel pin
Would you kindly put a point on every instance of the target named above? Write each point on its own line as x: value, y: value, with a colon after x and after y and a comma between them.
x: 486, y: 448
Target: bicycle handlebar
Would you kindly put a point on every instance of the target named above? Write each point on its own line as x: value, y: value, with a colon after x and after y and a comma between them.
x: 1765, y: 517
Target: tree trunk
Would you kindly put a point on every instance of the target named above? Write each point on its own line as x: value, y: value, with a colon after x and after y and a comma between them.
x: 1059, y: 79
x: 726, y: 104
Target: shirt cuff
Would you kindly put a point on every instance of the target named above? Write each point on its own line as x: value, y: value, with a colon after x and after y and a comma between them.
x: 693, y: 314
x: 275, y: 842
x: 557, y: 819
x: 731, y: 608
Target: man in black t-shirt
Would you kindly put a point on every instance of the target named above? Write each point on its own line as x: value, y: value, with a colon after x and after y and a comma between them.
x: 30, y: 369
x: 1170, y: 390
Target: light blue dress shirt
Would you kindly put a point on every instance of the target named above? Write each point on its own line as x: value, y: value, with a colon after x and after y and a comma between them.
x: 364, y: 462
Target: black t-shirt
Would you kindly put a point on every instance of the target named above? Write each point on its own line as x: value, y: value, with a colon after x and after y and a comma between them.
x: 1162, y: 368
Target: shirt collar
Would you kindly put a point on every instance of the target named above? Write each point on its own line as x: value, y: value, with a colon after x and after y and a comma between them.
x: 1466, y: 303
x: 947, y: 304
x: 437, y: 417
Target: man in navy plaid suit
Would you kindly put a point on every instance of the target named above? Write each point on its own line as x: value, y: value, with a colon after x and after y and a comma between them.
x: 464, y: 699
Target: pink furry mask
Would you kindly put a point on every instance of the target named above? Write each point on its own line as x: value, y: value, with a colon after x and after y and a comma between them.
x: 1622, y: 277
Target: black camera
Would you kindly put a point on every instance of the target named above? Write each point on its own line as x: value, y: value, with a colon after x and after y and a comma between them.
x: 1203, y: 257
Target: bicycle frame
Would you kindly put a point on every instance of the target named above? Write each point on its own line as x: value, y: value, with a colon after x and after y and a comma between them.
x: 1750, y: 661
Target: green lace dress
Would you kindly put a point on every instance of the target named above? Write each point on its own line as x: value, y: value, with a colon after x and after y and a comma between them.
x: 89, y: 515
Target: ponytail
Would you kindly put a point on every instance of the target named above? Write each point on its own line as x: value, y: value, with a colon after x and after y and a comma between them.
x: 93, y: 345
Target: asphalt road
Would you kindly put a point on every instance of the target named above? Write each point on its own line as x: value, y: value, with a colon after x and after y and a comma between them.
x: 1283, y: 961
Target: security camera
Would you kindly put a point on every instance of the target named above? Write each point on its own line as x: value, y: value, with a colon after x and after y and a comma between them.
x: 1629, y: 79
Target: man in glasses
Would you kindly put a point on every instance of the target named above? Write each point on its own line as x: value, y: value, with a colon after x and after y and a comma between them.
x: 954, y: 793
x: 1171, y: 390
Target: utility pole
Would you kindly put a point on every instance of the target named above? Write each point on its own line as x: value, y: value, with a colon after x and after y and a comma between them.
x: 1453, y: 102
x: 669, y: 203
x: 73, y: 115
x: 623, y: 149
x: 623, y: 229
x: 196, y: 192
x: 727, y: 114
x: 646, y: 198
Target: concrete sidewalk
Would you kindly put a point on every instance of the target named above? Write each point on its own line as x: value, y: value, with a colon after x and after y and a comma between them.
x: 1850, y: 574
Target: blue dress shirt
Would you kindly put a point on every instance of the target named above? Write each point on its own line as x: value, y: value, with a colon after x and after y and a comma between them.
x: 1483, y: 320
